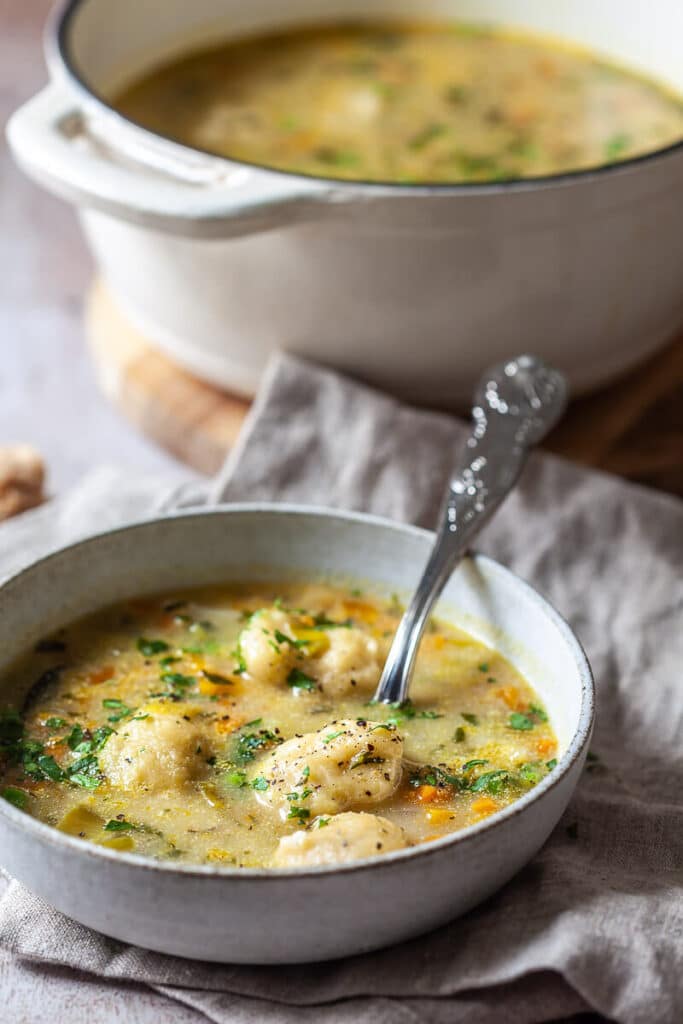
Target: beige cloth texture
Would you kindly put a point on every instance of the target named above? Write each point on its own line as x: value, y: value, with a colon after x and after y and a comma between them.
x: 595, y: 921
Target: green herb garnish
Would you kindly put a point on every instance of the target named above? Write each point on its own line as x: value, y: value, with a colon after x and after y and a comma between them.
x: 260, y: 783
x: 215, y: 677
x: 364, y: 757
x: 151, y: 647
x: 55, y: 723
x: 469, y: 717
x: 250, y: 743
x: 17, y: 797
x: 119, y: 825
x: 300, y: 813
x: 120, y: 708
x: 298, y: 680
x: 616, y: 146
x: 490, y: 782
x: 85, y: 772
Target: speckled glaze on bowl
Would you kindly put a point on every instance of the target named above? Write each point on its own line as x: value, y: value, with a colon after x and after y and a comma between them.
x: 248, y: 915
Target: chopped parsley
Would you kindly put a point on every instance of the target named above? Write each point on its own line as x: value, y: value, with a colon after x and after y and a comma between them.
x: 236, y: 778
x: 323, y: 622
x: 11, y: 731
x: 459, y: 735
x: 520, y: 721
x: 151, y: 647
x: 251, y: 743
x: 489, y: 782
x: 469, y: 717
x: 524, y: 721
x: 119, y: 825
x: 215, y: 677
x: 83, y: 741
x: 298, y: 680
x: 432, y: 775
x: 282, y: 638
x: 405, y: 711
x: 240, y: 663
x: 85, y: 772
x: 474, y: 763
x: 119, y: 707
x: 260, y: 783
x: 364, y: 757
x: 15, y: 796
x: 55, y: 723
x: 301, y: 814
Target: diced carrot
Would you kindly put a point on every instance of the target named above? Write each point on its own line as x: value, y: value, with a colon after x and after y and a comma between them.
x: 438, y: 815
x: 426, y: 794
x: 227, y: 725
x: 360, y: 610
x: 546, y: 746
x: 101, y: 675
x: 484, y: 806
x: 509, y: 694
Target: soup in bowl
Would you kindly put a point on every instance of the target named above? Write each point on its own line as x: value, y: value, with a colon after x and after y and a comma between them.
x: 237, y: 726
x: 189, y: 767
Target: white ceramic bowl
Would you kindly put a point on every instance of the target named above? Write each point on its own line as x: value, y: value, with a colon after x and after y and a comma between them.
x: 416, y: 289
x: 251, y: 916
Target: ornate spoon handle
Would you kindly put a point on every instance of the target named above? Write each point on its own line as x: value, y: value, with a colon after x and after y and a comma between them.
x: 515, y: 406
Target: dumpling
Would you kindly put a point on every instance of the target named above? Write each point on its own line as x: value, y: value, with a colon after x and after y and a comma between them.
x: 336, y: 840
x: 162, y: 750
x: 353, y: 660
x: 346, y: 764
x: 268, y: 646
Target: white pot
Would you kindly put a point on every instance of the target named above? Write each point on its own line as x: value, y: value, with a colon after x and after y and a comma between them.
x: 247, y: 915
x: 413, y: 288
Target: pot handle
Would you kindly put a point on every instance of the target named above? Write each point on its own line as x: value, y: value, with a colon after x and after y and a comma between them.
x: 53, y: 142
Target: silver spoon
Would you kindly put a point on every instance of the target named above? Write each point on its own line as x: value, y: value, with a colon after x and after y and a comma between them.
x: 515, y: 405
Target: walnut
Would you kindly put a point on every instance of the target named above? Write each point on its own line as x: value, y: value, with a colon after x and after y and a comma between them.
x: 22, y: 475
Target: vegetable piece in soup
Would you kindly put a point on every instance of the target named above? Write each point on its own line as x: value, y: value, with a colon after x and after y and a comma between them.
x: 236, y: 725
x: 401, y: 102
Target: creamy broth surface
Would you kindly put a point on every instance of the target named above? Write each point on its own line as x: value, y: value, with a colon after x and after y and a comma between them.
x: 235, y: 725
x: 411, y: 103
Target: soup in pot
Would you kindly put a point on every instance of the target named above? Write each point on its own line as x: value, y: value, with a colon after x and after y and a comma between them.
x: 412, y: 103
x: 237, y: 726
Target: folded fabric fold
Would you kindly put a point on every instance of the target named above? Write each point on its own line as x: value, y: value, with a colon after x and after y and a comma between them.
x: 596, y: 920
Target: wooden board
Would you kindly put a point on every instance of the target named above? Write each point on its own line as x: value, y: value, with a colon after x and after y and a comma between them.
x: 634, y: 428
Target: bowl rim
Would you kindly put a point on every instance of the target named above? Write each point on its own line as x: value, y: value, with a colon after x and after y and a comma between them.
x: 575, y: 751
x: 58, y: 56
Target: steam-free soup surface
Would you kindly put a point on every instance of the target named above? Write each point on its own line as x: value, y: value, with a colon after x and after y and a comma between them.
x: 236, y: 726
x: 400, y: 102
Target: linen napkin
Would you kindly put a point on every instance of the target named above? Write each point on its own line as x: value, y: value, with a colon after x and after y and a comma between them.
x: 595, y: 922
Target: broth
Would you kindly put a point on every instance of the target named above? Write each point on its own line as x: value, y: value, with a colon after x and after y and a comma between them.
x: 412, y: 103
